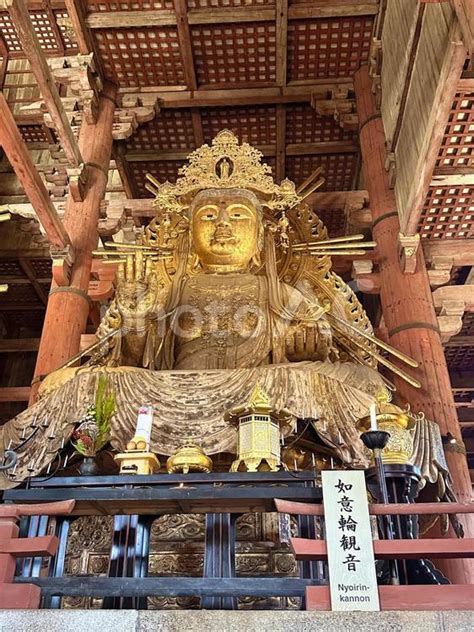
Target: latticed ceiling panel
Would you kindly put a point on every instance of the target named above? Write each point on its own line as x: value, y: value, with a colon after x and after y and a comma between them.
x: 10, y: 269
x: 41, y: 267
x: 51, y: 39
x: 255, y: 125
x: 303, y: 125
x: 459, y: 356
x: 170, y: 129
x: 319, y: 49
x: 128, y: 5
x: 70, y: 45
x: 230, y: 55
x: 457, y: 148
x: 448, y: 213
x: 161, y: 169
x: 467, y: 324
x: 334, y: 220
x: 20, y: 293
x: 339, y: 169
x: 140, y: 57
x: 34, y: 133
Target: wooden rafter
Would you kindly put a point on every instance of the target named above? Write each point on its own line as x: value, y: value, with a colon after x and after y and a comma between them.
x: 118, y: 151
x: 197, y: 127
x: 281, y: 41
x: 184, y: 39
x: 39, y: 67
x: 76, y: 12
x: 25, y: 265
x: 280, y: 142
x: 20, y: 159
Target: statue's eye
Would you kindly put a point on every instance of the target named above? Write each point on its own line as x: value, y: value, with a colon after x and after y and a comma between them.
x: 208, y: 217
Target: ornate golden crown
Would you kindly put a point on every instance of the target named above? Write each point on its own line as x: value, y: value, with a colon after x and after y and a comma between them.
x: 224, y: 165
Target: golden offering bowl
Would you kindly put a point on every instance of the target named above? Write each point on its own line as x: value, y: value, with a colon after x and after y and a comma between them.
x: 397, y: 423
x: 189, y: 458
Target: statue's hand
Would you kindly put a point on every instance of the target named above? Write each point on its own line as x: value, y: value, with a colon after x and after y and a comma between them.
x: 139, y: 291
x: 324, y: 338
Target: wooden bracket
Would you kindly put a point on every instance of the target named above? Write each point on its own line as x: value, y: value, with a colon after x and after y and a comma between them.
x: 407, y: 248
x: 134, y: 110
x: 78, y: 182
x: 451, y: 302
x: 63, y: 258
x: 112, y: 218
x: 440, y: 271
x: 80, y: 74
x: 102, y: 287
x: 391, y: 168
x: 450, y: 318
x: 339, y: 106
x: 366, y: 279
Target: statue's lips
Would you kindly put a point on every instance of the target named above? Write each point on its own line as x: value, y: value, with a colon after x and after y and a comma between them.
x: 222, y: 235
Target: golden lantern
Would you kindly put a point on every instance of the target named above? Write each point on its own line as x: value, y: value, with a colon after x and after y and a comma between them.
x: 189, y: 458
x: 396, y: 422
x: 259, y: 432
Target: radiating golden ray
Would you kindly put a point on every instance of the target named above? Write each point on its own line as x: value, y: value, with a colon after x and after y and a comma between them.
x: 315, y: 245
x: 309, y: 180
x: 312, y: 189
x: 380, y: 343
x: 119, y: 244
x: 333, y: 253
x: 380, y: 359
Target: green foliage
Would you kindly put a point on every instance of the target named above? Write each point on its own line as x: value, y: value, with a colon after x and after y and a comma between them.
x: 104, y: 411
x: 93, y: 431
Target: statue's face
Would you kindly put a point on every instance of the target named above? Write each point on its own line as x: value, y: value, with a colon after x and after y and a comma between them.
x: 225, y: 228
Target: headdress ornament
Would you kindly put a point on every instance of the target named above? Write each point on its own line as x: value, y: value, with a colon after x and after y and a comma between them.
x: 224, y: 164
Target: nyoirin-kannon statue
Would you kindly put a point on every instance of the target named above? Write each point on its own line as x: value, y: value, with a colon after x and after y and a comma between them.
x: 228, y: 286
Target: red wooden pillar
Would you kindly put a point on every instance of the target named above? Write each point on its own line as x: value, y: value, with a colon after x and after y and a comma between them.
x: 68, y: 306
x: 407, y: 307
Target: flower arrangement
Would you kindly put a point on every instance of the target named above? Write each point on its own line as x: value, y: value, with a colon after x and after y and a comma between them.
x: 93, y: 431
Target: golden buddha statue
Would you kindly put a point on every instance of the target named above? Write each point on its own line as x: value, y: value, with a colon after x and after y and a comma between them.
x: 229, y: 285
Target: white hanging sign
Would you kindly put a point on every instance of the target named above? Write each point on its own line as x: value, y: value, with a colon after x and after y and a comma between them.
x: 352, y: 576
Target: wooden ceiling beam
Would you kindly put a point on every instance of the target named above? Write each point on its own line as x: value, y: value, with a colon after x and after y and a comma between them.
x: 280, y: 143
x: 179, y: 97
x: 20, y: 159
x: 185, y: 46
x: 229, y: 15
x: 281, y: 41
x: 461, y: 341
x: 296, y: 149
x: 197, y: 127
x: 335, y: 9
x: 462, y: 379
x: 460, y: 250
x: 39, y: 67
x: 19, y: 344
x: 15, y: 393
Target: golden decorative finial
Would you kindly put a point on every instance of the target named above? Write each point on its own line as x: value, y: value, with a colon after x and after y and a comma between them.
x: 259, y: 400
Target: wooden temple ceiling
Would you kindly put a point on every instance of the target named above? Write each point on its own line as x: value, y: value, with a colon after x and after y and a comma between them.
x: 280, y: 74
